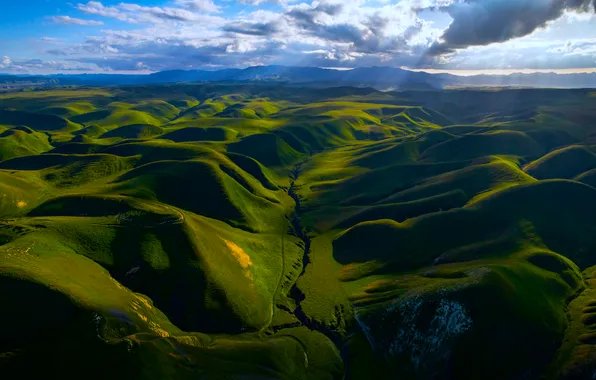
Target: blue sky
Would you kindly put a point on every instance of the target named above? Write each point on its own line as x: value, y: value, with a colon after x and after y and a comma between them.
x: 138, y: 36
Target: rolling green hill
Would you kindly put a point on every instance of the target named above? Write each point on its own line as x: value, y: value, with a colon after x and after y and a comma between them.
x: 134, y: 131
x: 200, y: 134
x: 201, y: 231
x: 22, y: 141
x: 567, y: 162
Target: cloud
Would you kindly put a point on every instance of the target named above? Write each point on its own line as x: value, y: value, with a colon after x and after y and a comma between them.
x: 576, y: 48
x: 75, y: 21
x: 41, y: 66
x: 309, y: 15
x: 254, y: 29
x: 199, y: 5
x: 97, y: 8
x: 240, y: 46
x: 56, y: 52
x: 183, y: 38
x: 6, y: 62
x: 138, y: 14
x: 192, y: 34
x: 483, y: 22
x: 392, y: 28
x: 255, y: 3
x: 158, y: 14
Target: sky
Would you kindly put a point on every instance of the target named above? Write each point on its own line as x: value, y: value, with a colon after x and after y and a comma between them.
x: 141, y: 36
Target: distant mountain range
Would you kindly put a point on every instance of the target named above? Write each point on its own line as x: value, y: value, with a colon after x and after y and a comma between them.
x: 382, y: 78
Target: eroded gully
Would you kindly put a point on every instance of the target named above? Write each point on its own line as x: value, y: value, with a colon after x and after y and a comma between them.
x: 299, y: 230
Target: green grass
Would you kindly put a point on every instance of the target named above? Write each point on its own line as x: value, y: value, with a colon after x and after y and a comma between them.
x: 117, y: 116
x: 91, y: 131
x: 20, y: 192
x: 205, y: 188
x: 450, y: 312
x: 207, y: 108
x: 37, y: 121
x: 22, y: 141
x: 156, y: 150
x: 201, y: 134
x: 483, y: 144
x: 473, y: 181
x: 349, y: 216
x: 238, y: 111
x: 561, y: 226
x: 134, y: 131
x: 85, y: 303
x: 240, y: 231
x: 567, y: 162
x: 69, y: 109
x: 268, y: 149
x: 588, y: 177
x: 157, y: 108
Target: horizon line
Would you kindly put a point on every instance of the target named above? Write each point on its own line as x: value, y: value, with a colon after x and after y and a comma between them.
x: 456, y: 72
x: 473, y: 72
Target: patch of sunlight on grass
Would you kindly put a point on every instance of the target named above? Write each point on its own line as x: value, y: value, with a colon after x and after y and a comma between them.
x: 156, y: 328
x: 243, y: 258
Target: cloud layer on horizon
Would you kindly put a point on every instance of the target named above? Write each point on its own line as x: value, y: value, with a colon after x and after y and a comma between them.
x: 439, y: 34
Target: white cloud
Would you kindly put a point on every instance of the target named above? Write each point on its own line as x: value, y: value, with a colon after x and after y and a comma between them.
x: 138, y: 14
x: 256, y: 3
x: 199, y: 5
x: 240, y: 46
x: 97, y: 8
x: 573, y: 16
x: 6, y: 62
x: 41, y: 66
x: 157, y: 14
x: 75, y: 21
x: 582, y: 47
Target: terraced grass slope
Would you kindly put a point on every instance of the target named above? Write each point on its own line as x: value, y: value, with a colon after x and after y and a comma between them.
x: 247, y: 232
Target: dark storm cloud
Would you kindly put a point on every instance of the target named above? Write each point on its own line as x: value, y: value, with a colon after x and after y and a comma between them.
x: 482, y: 22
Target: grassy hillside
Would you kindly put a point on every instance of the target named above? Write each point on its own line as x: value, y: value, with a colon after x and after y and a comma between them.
x: 267, y: 232
x: 134, y: 131
x: 22, y: 141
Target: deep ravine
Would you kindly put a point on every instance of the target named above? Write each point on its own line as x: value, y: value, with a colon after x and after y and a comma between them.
x: 299, y: 230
